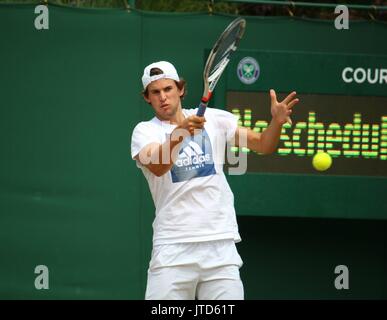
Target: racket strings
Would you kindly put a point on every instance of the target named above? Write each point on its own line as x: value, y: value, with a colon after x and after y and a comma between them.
x: 218, y: 71
x: 227, y: 45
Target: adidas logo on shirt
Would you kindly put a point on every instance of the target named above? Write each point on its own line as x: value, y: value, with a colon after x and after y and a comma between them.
x: 192, y: 154
x: 195, y: 159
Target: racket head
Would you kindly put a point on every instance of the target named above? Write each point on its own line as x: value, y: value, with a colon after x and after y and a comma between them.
x: 220, y: 55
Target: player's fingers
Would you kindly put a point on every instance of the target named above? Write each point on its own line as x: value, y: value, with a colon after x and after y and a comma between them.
x: 292, y: 103
x: 195, y: 125
x: 198, y: 126
x: 202, y: 119
x: 198, y: 119
x: 289, y: 97
x: 273, y: 97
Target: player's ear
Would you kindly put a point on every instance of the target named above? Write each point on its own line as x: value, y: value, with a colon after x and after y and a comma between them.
x: 146, y: 98
x: 182, y: 90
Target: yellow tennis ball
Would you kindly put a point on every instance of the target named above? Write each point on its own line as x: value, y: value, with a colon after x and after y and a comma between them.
x: 322, y: 161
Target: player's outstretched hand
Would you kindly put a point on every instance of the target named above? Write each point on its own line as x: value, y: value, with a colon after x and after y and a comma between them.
x: 281, y: 111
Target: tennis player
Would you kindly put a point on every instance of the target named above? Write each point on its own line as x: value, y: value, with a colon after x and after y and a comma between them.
x: 180, y: 154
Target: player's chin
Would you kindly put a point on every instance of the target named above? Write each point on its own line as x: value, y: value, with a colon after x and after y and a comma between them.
x: 168, y: 111
x: 165, y: 114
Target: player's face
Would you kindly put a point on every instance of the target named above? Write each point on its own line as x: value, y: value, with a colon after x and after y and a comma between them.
x: 164, y: 96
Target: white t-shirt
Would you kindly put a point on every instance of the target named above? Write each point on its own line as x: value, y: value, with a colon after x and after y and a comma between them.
x: 193, y: 200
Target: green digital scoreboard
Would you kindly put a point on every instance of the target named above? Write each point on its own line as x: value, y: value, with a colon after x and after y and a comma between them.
x: 351, y: 129
x: 342, y: 110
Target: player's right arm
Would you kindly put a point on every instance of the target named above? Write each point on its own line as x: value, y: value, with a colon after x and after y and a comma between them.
x: 159, y: 158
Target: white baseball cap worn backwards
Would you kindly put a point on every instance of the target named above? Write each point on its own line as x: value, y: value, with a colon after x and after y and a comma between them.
x: 169, y: 72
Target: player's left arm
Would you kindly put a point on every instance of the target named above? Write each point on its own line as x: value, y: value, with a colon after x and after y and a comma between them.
x: 267, y: 141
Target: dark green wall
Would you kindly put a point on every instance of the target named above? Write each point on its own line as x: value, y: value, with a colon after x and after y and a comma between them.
x: 295, y: 258
x: 72, y: 199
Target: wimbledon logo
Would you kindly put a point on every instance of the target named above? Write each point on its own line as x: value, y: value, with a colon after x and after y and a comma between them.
x: 248, y: 70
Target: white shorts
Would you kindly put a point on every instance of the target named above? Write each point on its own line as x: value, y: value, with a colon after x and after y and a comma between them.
x: 201, y: 270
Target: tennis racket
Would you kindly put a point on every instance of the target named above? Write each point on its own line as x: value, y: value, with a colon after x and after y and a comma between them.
x: 218, y: 59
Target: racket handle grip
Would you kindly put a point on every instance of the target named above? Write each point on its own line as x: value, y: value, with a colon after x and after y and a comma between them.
x: 201, y: 109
